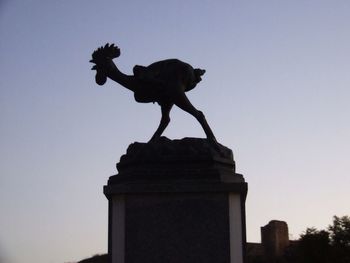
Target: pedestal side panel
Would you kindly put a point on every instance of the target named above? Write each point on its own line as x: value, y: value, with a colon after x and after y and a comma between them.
x: 177, y: 227
x: 236, y: 234
x: 118, y: 229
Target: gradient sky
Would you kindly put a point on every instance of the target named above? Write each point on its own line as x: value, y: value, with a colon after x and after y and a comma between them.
x: 276, y: 91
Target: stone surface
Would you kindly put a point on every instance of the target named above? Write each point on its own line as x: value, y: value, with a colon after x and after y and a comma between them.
x: 176, y: 160
x: 176, y: 201
x: 275, y: 238
x: 177, y: 227
x: 166, y: 151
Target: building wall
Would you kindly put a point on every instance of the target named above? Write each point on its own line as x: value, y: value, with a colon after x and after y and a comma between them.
x: 275, y: 238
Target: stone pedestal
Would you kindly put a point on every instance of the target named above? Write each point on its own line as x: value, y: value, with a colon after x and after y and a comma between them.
x: 176, y: 202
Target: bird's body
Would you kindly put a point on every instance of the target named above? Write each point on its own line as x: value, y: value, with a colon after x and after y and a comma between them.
x: 156, y: 80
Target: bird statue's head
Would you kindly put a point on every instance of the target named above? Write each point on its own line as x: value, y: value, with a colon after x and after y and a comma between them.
x: 101, y: 57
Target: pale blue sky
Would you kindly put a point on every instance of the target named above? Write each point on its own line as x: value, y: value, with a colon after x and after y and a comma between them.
x: 276, y: 91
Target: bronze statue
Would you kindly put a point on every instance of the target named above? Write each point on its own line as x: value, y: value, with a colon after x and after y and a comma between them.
x: 164, y: 82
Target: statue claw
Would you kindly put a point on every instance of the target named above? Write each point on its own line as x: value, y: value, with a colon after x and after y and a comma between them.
x: 214, y: 143
x: 153, y: 139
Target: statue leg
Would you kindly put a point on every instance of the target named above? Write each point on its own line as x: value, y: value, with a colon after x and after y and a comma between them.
x: 164, y: 121
x: 183, y: 103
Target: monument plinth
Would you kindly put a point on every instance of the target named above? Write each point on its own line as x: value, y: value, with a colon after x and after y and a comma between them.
x: 176, y: 201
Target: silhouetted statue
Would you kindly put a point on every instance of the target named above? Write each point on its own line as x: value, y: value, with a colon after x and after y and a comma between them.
x: 164, y: 82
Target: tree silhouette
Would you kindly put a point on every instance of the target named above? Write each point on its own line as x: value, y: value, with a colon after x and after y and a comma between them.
x: 340, y: 238
x: 314, y: 246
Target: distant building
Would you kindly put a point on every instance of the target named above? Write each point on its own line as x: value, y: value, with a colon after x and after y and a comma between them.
x: 274, y: 243
x: 274, y: 238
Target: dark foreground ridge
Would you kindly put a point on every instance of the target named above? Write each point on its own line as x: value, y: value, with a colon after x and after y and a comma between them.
x: 96, y: 259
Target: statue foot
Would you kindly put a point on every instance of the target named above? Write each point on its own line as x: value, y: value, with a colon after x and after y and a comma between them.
x: 154, y: 139
x: 214, y: 143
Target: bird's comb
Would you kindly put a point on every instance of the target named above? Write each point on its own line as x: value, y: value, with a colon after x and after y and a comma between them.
x: 103, y: 52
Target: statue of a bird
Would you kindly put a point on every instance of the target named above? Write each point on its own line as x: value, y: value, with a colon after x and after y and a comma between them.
x: 164, y: 82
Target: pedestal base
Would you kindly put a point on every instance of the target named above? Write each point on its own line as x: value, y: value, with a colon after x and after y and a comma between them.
x: 201, y: 219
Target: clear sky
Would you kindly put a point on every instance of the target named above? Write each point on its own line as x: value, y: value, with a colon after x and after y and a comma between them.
x: 276, y: 91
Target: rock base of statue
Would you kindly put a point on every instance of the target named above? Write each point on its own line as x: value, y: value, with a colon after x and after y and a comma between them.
x: 176, y: 201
